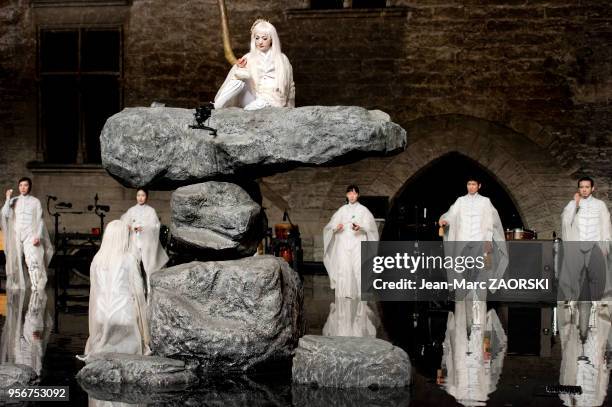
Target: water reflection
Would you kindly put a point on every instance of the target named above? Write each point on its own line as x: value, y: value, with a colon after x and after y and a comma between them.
x: 584, y: 328
x: 474, y: 350
x: 26, y: 330
x: 349, y: 317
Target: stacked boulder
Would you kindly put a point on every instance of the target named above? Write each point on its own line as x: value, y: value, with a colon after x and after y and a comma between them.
x: 236, y: 312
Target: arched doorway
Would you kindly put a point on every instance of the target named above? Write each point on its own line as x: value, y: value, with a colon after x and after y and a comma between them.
x: 429, y: 193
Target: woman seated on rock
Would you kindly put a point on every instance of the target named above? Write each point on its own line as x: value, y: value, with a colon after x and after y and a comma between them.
x: 117, y: 308
x: 261, y: 78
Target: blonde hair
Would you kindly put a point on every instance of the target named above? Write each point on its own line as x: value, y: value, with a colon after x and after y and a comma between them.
x: 261, y: 26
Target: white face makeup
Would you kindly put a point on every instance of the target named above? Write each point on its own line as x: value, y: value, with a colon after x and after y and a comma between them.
x: 263, y: 42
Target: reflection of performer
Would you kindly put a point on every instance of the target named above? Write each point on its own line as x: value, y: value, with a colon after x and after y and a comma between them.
x: 104, y: 403
x: 144, y: 235
x: 473, y: 355
x: 349, y: 226
x: 117, y: 308
x: 586, y: 219
x: 25, y: 235
x: 473, y: 228
x: 24, y: 340
x: 349, y: 317
x: 584, y: 362
x: 261, y: 78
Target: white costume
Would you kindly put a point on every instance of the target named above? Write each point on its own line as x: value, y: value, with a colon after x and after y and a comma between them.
x: 22, y: 222
x: 349, y: 317
x: 583, y: 363
x: 117, y: 307
x: 472, y: 219
x: 472, y: 372
x: 267, y: 79
x: 24, y: 339
x: 589, y: 223
x: 145, y: 245
x: 342, y: 248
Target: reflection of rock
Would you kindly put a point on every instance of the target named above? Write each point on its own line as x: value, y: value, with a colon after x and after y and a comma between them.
x: 109, y: 371
x: 217, y: 216
x: 16, y: 375
x: 230, y: 315
x: 349, y: 317
x: 306, y: 396
x: 218, y: 391
x: 155, y: 147
x: 350, y: 362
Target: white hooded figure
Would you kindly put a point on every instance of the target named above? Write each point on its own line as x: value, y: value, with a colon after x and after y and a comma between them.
x: 25, y: 238
x: 473, y: 355
x: 117, y: 307
x: 352, y: 224
x: 261, y: 78
x: 349, y: 317
x: 144, y: 228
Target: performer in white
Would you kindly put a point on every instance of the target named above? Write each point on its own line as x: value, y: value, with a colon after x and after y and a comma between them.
x: 144, y: 228
x: 587, y: 251
x: 261, y: 78
x: 117, y: 307
x: 585, y: 362
x: 25, y: 235
x: 472, y: 227
x: 473, y: 357
x: 349, y: 226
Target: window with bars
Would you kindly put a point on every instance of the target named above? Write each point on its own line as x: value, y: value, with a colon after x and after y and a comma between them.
x: 80, y: 72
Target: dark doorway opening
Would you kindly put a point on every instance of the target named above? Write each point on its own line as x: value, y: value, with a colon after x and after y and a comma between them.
x: 417, y: 208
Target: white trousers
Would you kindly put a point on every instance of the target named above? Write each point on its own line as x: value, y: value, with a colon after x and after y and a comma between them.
x: 237, y: 88
x: 34, y: 258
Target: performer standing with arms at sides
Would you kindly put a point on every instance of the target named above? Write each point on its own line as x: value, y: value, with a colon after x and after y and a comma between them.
x: 586, y: 219
x: 342, y: 237
x: 25, y: 235
x: 473, y: 228
x: 144, y: 226
x: 261, y: 78
x: 117, y: 308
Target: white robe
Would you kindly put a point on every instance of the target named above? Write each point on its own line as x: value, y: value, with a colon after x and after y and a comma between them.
x: 25, y: 338
x: 578, y: 257
x: 583, y: 364
x: 461, y: 231
x: 349, y: 317
x: 342, y: 249
x: 254, y: 86
x: 117, y: 309
x: 18, y: 236
x: 145, y: 245
x: 471, y: 375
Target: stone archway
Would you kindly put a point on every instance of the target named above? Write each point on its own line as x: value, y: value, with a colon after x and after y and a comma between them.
x: 538, y: 185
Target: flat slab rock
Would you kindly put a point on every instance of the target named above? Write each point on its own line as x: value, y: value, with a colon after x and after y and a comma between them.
x: 155, y: 147
x: 231, y: 316
x: 16, y: 375
x: 110, y: 371
x: 342, y: 361
x: 218, y: 216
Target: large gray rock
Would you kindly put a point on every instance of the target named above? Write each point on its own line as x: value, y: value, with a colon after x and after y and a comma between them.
x: 306, y: 396
x: 342, y: 361
x: 233, y: 315
x: 217, y: 216
x: 155, y: 147
x: 16, y: 375
x: 110, y: 371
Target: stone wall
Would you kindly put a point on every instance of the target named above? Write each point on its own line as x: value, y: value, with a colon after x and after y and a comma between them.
x: 530, y: 80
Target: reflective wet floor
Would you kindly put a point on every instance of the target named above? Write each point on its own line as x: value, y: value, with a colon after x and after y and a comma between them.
x: 462, y: 354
